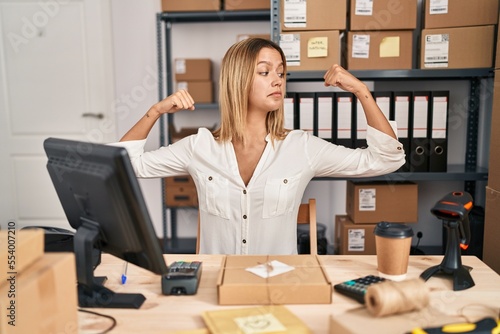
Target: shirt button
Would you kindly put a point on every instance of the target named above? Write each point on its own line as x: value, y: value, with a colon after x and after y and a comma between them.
x: 244, y: 241
x: 244, y: 192
x: 285, y: 181
x: 210, y: 178
x: 244, y: 216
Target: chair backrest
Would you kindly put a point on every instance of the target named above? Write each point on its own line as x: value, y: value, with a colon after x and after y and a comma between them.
x: 307, y: 215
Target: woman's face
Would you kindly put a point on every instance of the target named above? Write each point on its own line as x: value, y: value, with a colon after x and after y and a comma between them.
x: 269, y: 82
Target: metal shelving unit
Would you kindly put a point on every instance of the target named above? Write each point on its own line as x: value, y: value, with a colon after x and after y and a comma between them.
x: 164, y: 22
x: 469, y: 172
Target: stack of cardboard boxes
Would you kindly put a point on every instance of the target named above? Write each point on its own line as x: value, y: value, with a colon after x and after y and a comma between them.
x: 38, y: 292
x: 381, y: 34
x: 368, y: 203
x: 310, y: 34
x: 195, y: 76
x: 458, y: 34
x: 492, y: 213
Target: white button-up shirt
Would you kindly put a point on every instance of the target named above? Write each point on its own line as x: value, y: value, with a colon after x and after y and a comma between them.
x: 261, y: 217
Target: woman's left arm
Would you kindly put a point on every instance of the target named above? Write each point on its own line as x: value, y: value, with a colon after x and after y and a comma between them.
x: 337, y: 76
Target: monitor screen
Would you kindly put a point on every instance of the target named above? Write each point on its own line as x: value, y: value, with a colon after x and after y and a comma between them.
x: 103, y: 202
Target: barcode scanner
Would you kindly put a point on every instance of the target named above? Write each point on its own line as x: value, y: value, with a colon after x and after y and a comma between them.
x: 456, y: 207
x: 453, y: 209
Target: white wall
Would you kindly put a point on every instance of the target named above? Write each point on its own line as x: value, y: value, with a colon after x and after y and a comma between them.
x: 134, y: 28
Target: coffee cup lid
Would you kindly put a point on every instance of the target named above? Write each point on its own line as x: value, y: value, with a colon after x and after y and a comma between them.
x: 393, y: 230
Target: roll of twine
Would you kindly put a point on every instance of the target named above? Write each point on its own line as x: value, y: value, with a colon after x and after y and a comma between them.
x: 391, y: 297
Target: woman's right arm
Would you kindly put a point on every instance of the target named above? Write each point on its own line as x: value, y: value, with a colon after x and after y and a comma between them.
x: 179, y: 100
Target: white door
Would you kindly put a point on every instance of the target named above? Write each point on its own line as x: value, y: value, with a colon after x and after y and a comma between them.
x: 56, y: 80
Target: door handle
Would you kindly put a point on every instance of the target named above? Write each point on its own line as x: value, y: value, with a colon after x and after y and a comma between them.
x: 90, y: 114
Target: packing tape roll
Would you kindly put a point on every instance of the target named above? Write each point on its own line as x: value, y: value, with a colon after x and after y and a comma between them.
x: 391, y: 297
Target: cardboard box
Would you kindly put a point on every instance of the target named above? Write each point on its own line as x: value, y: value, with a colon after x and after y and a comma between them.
x: 19, y: 249
x: 43, y: 298
x: 247, y: 4
x: 307, y: 283
x: 380, y: 50
x: 460, y: 13
x: 373, y: 202
x: 190, y: 5
x: 200, y: 91
x: 241, y: 37
x: 353, y: 239
x: 469, y: 47
x: 313, y: 15
x: 193, y: 69
x: 492, y: 229
x: 383, y: 15
x: 359, y: 320
x: 494, y: 157
x: 311, y: 50
x: 178, y: 195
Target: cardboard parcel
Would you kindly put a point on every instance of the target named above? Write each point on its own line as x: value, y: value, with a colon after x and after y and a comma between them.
x: 273, y: 279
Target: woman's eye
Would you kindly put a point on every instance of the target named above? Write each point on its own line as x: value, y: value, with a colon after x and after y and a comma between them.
x: 264, y: 73
x: 281, y: 75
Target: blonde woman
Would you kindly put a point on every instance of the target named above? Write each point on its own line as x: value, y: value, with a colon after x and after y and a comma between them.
x: 251, y: 173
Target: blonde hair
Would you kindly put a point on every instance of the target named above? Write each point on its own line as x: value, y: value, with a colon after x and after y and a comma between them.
x: 235, y: 82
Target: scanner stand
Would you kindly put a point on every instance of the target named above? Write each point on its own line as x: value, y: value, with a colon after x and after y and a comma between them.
x: 452, y: 263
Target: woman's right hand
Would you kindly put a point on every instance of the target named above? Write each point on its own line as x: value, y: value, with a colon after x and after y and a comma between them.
x: 180, y: 100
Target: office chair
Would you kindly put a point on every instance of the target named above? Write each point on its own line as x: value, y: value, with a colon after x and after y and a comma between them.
x: 306, y: 215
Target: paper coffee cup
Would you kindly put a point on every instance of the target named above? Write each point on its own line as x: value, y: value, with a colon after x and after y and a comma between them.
x: 393, y: 243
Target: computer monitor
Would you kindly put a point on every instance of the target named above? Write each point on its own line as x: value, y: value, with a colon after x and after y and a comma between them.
x: 103, y: 202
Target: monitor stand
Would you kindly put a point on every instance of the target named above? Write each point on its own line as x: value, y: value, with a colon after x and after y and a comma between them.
x: 91, y: 292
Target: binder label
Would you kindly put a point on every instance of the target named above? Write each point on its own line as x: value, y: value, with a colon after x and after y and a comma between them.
x: 288, y: 109
x: 344, y: 118
x: 420, y: 113
x: 325, y: 117
x: 439, y: 117
x: 307, y: 114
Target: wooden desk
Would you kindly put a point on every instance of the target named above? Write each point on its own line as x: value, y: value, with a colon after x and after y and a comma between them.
x: 165, y: 314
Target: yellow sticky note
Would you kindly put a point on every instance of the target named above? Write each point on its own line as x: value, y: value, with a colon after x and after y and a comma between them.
x: 389, y: 47
x: 317, y: 47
